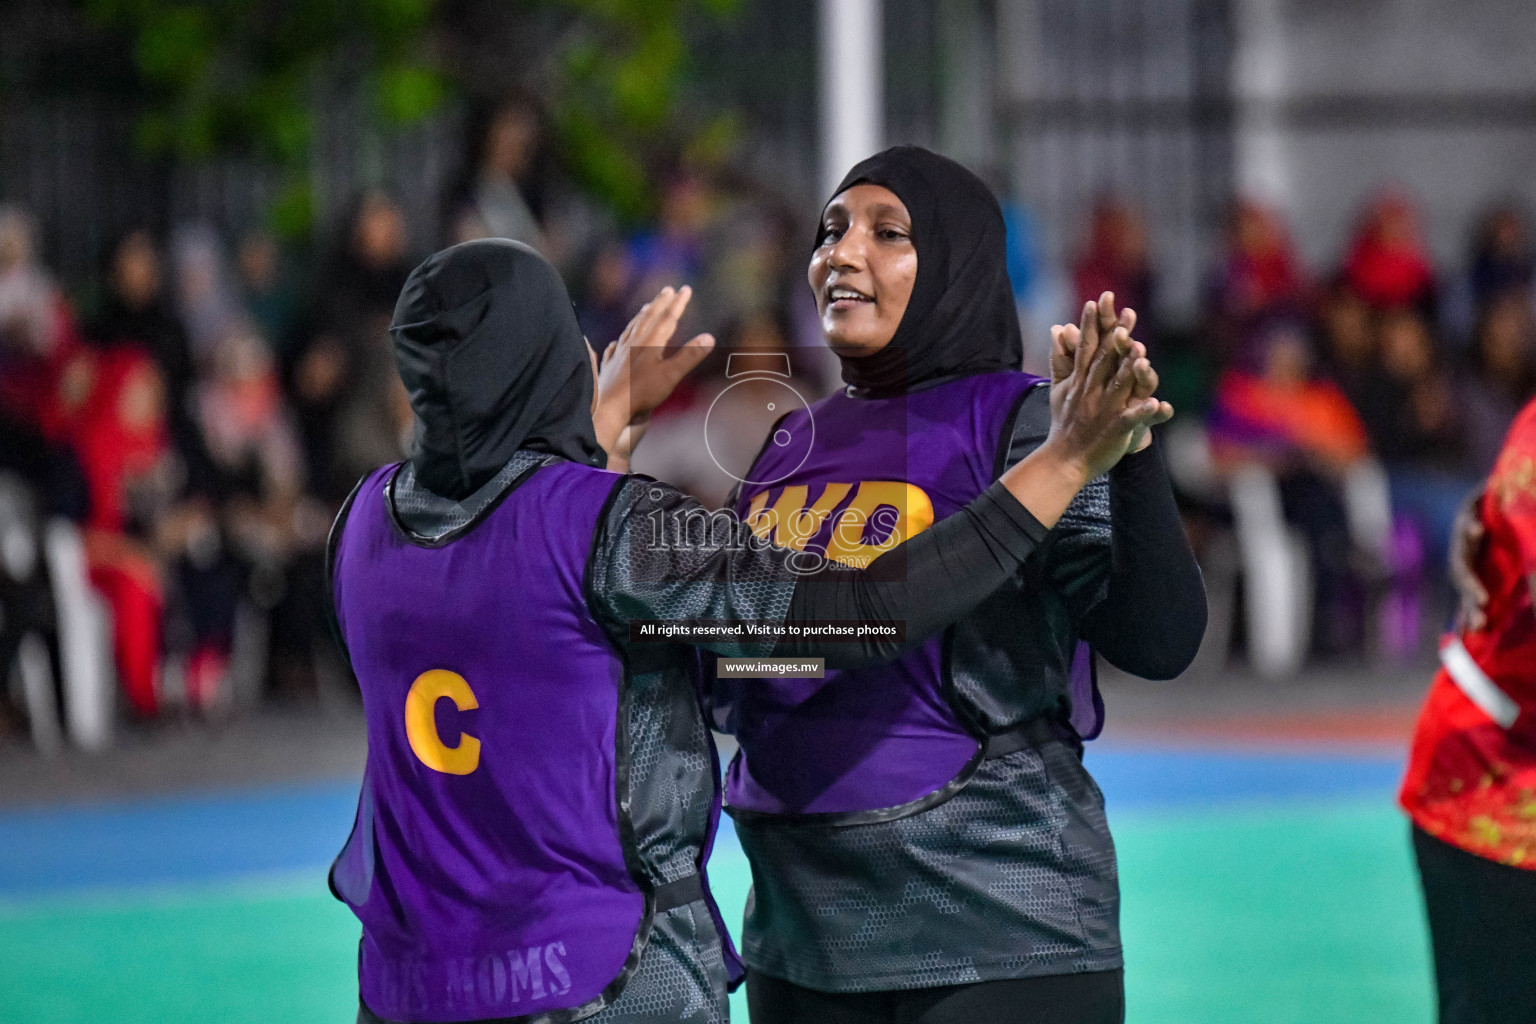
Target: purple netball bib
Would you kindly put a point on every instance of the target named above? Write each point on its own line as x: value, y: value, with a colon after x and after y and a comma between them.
x: 877, y: 472
x: 487, y: 865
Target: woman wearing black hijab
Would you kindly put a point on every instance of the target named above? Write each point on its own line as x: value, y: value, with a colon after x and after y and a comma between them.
x: 540, y: 792
x: 926, y: 845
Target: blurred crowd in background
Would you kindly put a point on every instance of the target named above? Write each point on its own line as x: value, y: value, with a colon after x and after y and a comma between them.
x: 194, y: 417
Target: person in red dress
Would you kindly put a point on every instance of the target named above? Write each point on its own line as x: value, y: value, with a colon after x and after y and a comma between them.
x: 1470, y: 787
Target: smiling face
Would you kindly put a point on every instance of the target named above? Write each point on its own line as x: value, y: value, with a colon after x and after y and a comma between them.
x: 863, y: 271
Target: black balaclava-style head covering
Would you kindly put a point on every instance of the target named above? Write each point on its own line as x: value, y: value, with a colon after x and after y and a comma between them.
x: 488, y: 347
x: 961, y: 319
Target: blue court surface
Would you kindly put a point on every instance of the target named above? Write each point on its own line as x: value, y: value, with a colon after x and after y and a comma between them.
x: 1262, y: 888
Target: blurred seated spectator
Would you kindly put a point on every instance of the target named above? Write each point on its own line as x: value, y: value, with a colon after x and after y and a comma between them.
x: 38, y: 341
x: 206, y: 295
x: 1501, y: 376
x: 1502, y: 257
x: 491, y: 198
x: 1256, y: 279
x: 254, y: 476
x: 673, y: 252
x: 1348, y: 332
x: 1418, y: 428
x: 1116, y: 258
x: 1295, y: 447
x: 136, y: 312
x: 1387, y: 264
x: 28, y: 623
x: 352, y: 410
x: 245, y: 427
x: 1273, y: 407
x: 41, y: 384
x: 47, y: 379
x: 605, y: 292
x: 124, y: 447
x: 268, y: 287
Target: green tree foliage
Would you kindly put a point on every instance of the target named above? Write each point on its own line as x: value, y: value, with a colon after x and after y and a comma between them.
x: 237, y: 76
x: 240, y: 77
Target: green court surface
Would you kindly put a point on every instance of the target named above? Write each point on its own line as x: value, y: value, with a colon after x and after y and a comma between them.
x: 1296, y: 911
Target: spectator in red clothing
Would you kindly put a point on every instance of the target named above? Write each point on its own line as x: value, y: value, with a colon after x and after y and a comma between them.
x: 124, y: 449
x: 1256, y: 278
x: 42, y: 384
x: 1387, y: 265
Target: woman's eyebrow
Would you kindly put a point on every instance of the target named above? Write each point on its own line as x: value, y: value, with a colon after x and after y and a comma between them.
x: 887, y: 210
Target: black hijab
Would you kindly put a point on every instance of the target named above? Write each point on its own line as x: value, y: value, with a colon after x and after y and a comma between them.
x: 961, y: 319
x: 488, y: 347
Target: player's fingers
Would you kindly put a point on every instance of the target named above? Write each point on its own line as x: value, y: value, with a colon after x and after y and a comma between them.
x: 1137, y: 415
x: 1128, y: 318
x: 1146, y: 377
x: 666, y: 322
x: 640, y: 324
x: 691, y: 353
x: 1107, y: 361
x: 651, y: 314
x: 1145, y: 413
x: 1121, y: 333
x: 1087, y: 338
x: 1107, y: 315
x: 629, y: 328
x: 1124, y: 381
x: 1061, y: 356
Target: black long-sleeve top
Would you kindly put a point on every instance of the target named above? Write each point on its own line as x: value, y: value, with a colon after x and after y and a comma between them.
x: 1120, y: 559
x: 1153, y: 615
x: 660, y: 555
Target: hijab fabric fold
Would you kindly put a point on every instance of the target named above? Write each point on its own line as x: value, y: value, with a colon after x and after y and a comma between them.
x: 961, y: 319
x: 488, y: 346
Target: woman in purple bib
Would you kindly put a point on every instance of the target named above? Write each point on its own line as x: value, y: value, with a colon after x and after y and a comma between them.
x: 541, y: 789
x: 926, y: 844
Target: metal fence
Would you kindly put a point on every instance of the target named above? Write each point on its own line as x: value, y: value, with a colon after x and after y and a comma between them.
x: 1128, y: 98
x: 72, y: 162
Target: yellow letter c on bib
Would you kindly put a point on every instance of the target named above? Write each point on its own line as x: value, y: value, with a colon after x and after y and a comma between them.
x: 421, y: 728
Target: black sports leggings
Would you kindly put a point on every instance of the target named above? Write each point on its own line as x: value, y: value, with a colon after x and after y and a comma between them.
x: 1094, y: 998
x: 1482, y: 918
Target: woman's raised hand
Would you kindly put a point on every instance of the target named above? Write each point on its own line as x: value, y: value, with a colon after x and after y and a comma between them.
x: 639, y: 371
x: 1101, y: 388
x: 1101, y: 407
